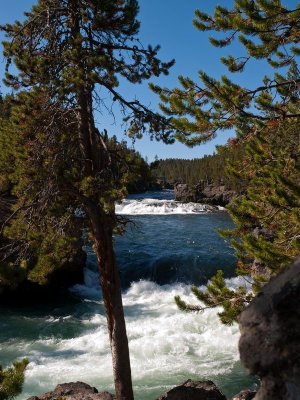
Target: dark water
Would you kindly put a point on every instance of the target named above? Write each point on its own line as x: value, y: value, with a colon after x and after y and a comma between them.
x: 167, y: 247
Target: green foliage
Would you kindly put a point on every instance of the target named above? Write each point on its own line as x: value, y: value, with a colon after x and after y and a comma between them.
x: 39, y: 189
x: 217, y: 294
x: 266, y: 30
x: 267, y: 219
x: 38, y: 225
x: 12, y: 379
x: 205, y: 170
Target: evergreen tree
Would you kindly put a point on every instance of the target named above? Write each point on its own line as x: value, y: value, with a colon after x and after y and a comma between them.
x: 267, y: 30
x: 12, y: 379
x: 267, y: 219
x: 266, y: 117
x: 39, y: 243
x: 201, y: 171
x: 67, y: 49
x: 40, y: 232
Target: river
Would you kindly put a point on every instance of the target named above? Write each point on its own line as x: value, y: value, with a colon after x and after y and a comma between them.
x: 167, y: 247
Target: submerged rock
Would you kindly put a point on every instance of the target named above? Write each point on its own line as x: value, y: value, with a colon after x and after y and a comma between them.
x: 74, y: 391
x: 194, y: 390
x: 270, y: 337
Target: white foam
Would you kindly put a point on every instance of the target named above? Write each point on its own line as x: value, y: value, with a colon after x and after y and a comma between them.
x: 161, y: 207
x: 164, y: 343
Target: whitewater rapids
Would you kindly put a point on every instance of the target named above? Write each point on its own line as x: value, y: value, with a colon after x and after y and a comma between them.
x: 162, y: 207
x: 166, y: 345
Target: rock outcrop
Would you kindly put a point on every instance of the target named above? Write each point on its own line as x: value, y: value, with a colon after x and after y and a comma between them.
x: 211, y: 194
x: 270, y: 337
x: 74, y: 391
x: 185, y: 194
x: 193, y: 390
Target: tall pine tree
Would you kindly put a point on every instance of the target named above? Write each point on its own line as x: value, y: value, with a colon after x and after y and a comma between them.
x: 69, y: 49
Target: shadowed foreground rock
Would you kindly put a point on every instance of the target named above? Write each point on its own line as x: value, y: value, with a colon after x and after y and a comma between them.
x: 270, y: 337
x: 74, y: 391
x: 189, y: 390
x: 245, y: 395
x: 192, y: 390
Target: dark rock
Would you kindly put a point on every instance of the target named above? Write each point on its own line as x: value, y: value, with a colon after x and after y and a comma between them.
x: 211, y: 194
x: 165, y: 184
x: 74, y: 391
x: 245, y: 395
x: 218, y: 194
x: 184, y: 193
x: 193, y: 390
x: 270, y: 337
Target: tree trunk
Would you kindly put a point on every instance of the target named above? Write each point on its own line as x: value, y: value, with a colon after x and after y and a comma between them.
x: 112, y: 296
x: 96, y: 159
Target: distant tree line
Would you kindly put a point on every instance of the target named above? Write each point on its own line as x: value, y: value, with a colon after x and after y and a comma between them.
x: 205, y: 170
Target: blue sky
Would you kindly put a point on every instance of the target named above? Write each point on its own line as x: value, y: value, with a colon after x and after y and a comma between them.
x: 168, y: 23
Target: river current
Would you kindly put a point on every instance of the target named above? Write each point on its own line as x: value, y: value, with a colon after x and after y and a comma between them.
x: 167, y: 247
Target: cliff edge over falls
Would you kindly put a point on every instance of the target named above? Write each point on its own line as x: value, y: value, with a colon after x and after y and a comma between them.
x: 269, y: 348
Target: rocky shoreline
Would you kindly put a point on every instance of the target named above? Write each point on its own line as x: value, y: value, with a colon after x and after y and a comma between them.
x: 219, y: 195
x: 188, y: 390
x: 209, y: 193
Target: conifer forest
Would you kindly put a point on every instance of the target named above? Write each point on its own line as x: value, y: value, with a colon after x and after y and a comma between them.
x: 150, y: 200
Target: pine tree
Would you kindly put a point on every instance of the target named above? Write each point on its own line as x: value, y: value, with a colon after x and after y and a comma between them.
x: 68, y: 49
x: 267, y: 220
x: 12, y: 379
x: 267, y: 30
x: 40, y: 242
x: 266, y: 117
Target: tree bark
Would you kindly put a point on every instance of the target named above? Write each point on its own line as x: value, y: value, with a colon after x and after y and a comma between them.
x: 112, y: 296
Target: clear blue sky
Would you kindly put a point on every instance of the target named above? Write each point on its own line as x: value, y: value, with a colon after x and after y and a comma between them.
x: 168, y: 23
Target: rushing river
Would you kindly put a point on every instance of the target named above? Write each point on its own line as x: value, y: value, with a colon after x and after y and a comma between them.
x: 168, y: 246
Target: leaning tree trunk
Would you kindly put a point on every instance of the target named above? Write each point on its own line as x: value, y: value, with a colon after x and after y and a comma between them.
x: 112, y: 296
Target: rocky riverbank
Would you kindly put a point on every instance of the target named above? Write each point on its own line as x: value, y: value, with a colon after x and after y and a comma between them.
x: 213, y: 194
x: 189, y: 390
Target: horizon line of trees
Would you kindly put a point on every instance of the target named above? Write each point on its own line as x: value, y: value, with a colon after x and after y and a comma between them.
x: 203, y: 170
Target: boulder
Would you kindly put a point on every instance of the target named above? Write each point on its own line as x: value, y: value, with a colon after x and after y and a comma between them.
x: 245, y: 395
x: 194, y: 390
x: 270, y: 337
x: 74, y: 391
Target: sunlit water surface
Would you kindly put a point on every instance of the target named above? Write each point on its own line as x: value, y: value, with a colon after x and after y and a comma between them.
x: 168, y: 246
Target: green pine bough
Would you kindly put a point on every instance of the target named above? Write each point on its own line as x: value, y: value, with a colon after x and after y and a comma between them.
x: 266, y: 236
x: 12, y: 379
x: 265, y: 118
